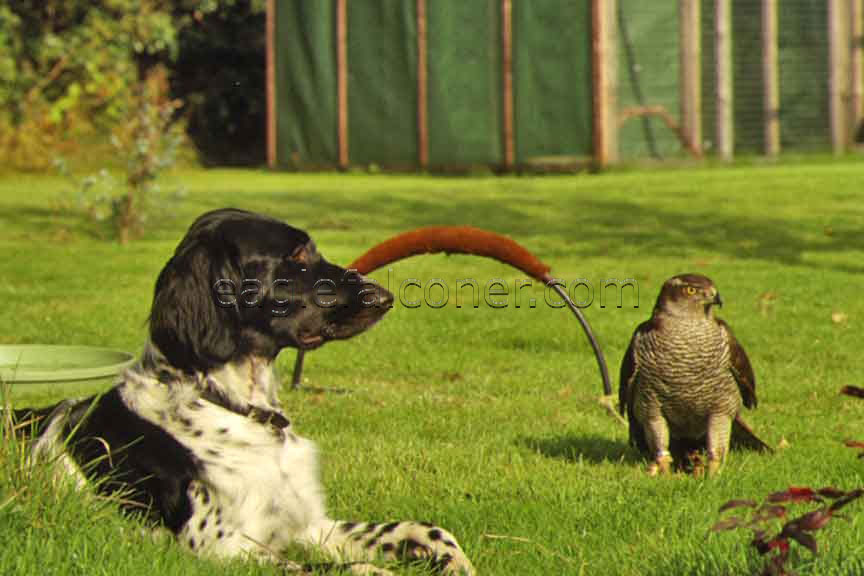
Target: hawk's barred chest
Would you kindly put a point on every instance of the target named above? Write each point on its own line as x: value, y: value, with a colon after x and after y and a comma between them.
x: 684, y: 367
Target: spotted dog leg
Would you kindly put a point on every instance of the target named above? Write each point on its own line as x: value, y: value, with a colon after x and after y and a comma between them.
x: 403, y: 542
x: 207, y: 533
x: 357, y: 568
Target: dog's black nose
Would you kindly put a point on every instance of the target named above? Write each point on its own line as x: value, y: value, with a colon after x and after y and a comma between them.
x: 385, y: 298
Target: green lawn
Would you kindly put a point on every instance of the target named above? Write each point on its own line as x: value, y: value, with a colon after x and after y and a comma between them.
x: 486, y: 421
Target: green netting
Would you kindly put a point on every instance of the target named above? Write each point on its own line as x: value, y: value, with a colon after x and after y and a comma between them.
x: 802, y: 47
x: 747, y: 85
x: 648, y: 76
x: 803, y: 54
x: 709, y: 79
x: 464, y: 87
x: 552, y: 82
x: 382, y: 83
x: 552, y: 79
x: 307, y: 133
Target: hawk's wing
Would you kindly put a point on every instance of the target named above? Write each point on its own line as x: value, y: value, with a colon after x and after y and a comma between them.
x: 740, y: 367
x: 628, y: 380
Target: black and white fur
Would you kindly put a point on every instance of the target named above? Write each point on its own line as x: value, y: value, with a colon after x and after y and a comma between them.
x: 194, y: 435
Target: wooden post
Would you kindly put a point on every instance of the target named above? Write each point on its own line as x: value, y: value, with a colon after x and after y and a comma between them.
x: 422, y: 88
x: 857, y: 63
x: 271, y: 83
x: 770, y: 78
x: 604, y: 78
x: 838, y: 66
x: 690, y: 72
x: 342, y: 80
x: 507, y: 75
x: 723, y: 51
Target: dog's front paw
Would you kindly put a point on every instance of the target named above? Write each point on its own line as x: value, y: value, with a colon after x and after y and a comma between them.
x: 426, y: 543
x: 414, y: 543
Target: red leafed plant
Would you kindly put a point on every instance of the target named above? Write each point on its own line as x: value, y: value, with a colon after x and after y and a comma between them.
x: 763, y: 519
x: 774, y: 546
x: 855, y: 392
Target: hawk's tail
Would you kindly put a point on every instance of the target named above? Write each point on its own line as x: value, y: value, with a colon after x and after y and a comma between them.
x: 744, y: 437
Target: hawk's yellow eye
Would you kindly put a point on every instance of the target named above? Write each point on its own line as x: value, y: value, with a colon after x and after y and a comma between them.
x: 690, y: 290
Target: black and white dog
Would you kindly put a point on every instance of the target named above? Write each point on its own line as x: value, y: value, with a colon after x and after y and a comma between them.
x: 194, y: 435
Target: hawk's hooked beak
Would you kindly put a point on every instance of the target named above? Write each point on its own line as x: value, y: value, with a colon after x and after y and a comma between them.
x: 717, y: 300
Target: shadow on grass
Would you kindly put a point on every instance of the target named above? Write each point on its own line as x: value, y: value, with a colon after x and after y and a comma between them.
x: 610, y: 227
x: 594, y: 449
x: 61, y: 224
x: 613, y: 227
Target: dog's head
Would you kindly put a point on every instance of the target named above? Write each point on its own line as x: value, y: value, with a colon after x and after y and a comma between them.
x: 244, y: 284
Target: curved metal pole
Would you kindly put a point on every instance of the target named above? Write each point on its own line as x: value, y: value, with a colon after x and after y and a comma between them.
x: 595, y: 345
x: 598, y: 353
x: 467, y: 240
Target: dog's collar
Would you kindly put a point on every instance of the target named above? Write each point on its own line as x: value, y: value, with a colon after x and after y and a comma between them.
x: 269, y: 417
x: 154, y: 361
x: 265, y: 416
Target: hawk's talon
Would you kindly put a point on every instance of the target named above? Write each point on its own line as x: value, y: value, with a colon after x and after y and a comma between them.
x: 660, y: 465
x: 714, y: 465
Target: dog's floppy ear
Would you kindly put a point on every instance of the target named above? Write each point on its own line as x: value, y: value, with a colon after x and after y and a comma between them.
x: 186, y: 325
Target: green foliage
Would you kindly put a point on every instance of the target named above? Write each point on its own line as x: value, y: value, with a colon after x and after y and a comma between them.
x: 10, y: 39
x: 775, y: 528
x: 80, y: 67
x: 148, y: 145
x: 74, y: 71
x: 70, y: 69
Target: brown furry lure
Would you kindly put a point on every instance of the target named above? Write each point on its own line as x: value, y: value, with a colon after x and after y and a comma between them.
x: 467, y: 240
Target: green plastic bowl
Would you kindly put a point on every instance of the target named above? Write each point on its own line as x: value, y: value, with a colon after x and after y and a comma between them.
x: 37, y: 364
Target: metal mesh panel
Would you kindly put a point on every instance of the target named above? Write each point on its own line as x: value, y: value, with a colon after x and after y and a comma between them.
x: 709, y: 84
x: 803, y: 45
x: 803, y: 70
x: 648, y: 77
x: 747, y: 84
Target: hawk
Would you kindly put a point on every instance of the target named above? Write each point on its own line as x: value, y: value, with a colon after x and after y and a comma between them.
x: 684, y: 379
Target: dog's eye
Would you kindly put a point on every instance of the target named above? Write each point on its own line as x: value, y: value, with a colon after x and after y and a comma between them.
x: 300, y: 254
